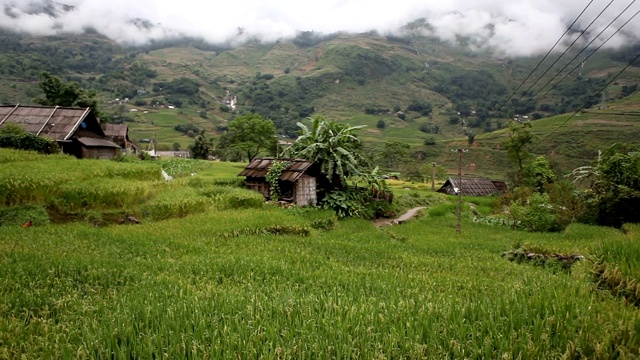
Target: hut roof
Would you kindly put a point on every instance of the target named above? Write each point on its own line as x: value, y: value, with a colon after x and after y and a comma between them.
x: 471, y: 187
x: 92, y: 142
x: 115, y: 130
x: 55, y: 122
x: 258, y: 168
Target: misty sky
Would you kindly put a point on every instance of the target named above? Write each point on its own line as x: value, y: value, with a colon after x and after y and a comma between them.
x: 520, y: 27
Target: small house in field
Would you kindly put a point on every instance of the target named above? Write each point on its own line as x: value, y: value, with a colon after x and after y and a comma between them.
x: 298, y: 181
x: 119, y: 135
x: 473, y: 187
x: 76, y: 130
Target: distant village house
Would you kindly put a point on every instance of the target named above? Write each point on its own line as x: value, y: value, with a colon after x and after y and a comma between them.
x: 473, y: 187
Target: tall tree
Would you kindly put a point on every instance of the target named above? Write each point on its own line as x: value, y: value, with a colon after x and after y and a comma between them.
x: 333, y: 146
x: 201, y: 148
x: 395, y: 153
x: 517, y: 146
x: 251, y: 134
x: 60, y: 93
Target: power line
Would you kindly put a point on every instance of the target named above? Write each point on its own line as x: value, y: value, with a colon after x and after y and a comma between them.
x: 588, y: 101
x: 567, y: 49
x: 546, y: 55
x: 586, y: 47
x: 587, y: 58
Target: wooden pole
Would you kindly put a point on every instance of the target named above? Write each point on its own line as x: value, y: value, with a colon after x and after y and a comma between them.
x: 459, y: 207
x: 433, y: 177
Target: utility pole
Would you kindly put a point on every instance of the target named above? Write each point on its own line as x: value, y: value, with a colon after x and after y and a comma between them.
x: 433, y: 177
x: 459, y: 189
x: 604, y: 101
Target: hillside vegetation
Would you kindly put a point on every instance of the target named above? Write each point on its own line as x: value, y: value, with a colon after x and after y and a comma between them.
x: 423, y: 89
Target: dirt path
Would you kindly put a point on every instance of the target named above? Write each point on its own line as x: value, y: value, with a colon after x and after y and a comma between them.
x: 404, y: 217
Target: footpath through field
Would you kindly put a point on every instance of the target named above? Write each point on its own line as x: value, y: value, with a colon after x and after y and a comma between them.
x: 404, y: 217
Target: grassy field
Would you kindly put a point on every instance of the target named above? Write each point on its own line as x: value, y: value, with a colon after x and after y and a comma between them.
x: 234, y: 278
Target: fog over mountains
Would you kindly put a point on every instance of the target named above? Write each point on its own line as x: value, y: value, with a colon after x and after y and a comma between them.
x: 514, y: 28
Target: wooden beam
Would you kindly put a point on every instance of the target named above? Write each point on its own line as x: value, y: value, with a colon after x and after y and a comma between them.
x: 9, y: 114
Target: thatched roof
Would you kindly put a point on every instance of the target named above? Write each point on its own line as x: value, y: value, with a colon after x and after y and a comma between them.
x: 258, y: 168
x: 473, y: 187
x: 56, y: 122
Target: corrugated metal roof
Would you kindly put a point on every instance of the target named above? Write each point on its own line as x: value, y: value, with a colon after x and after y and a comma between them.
x: 470, y: 187
x: 113, y: 130
x: 55, y: 122
x: 258, y: 168
x: 93, y: 142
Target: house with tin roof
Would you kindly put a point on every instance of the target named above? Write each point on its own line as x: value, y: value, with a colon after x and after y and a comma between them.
x: 76, y: 130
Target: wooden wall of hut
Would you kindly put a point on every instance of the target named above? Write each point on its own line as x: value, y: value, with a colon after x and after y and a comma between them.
x: 305, y: 192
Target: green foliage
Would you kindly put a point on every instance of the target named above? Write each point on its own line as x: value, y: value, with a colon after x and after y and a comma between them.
x: 369, y: 202
x: 180, y: 86
x: 202, y: 147
x: 381, y: 124
x: 249, y: 135
x: 22, y: 214
x: 535, y: 215
x: 517, y: 146
x: 27, y: 141
x: 615, y: 192
x: 345, y: 203
x: 60, y: 93
x: 440, y: 210
x: 190, y: 130
x: 273, y: 177
x: 424, y: 108
x: 538, y: 173
x: 333, y: 146
x: 177, y: 167
x: 395, y: 153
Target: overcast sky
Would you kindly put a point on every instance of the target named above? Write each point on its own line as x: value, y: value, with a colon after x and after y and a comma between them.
x: 521, y: 27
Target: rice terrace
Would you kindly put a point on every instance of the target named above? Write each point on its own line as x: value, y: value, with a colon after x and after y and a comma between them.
x: 212, y: 271
x: 319, y: 180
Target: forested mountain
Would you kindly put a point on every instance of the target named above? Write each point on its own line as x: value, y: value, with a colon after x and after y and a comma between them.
x: 408, y: 87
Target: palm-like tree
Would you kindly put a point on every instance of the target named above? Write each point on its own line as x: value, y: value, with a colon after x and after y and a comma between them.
x: 331, y: 145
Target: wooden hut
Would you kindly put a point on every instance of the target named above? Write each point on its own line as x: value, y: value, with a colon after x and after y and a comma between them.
x: 298, y: 182
x: 119, y: 135
x: 473, y: 187
x: 76, y: 130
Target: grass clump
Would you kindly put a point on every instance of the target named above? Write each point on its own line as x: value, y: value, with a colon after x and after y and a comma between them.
x: 22, y: 214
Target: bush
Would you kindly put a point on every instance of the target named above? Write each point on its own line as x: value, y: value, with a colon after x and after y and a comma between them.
x: 442, y: 209
x: 27, y: 141
x: 22, y: 214
x: 536, y: 215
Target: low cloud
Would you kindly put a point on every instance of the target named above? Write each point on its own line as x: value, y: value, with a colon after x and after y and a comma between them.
x: 516, y: 28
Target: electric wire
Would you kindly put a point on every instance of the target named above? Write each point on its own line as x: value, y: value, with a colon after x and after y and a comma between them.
x: 567, y: 49
x: 587, y: 58
x: 546, y: 55
x: 588, y: 101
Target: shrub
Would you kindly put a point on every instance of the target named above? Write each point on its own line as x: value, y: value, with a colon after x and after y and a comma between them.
x: 27, y: 141
x: 442, y: 209
x: 22, y: 214
x: 536, y: 215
